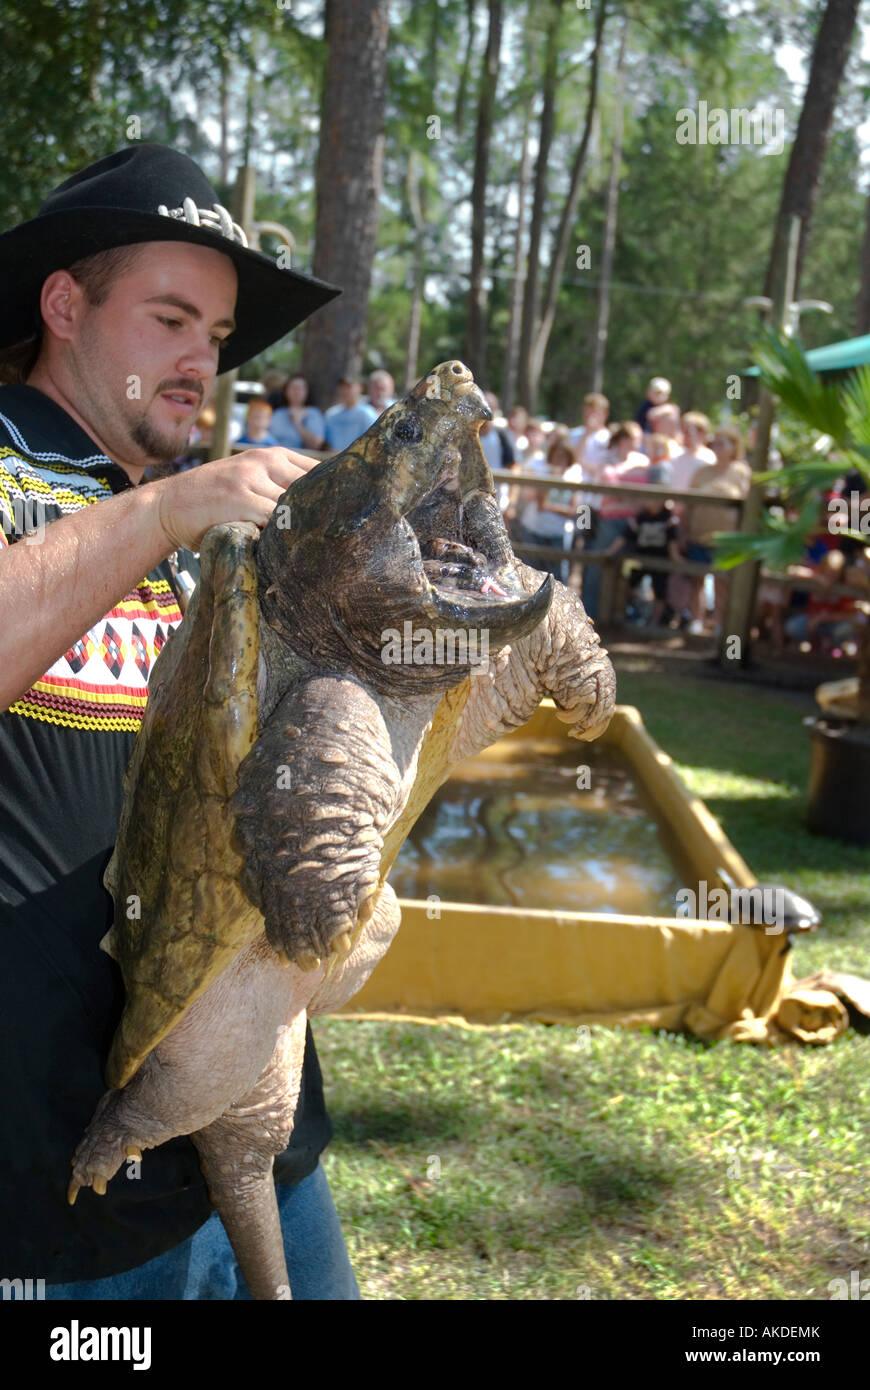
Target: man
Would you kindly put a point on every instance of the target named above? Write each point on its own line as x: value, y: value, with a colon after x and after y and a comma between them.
x: 121, y: 301
x: 592, y: 440
x: 382, y: 390
x: 351, y: 418
x: 696, y: 431
x: 665, y: 420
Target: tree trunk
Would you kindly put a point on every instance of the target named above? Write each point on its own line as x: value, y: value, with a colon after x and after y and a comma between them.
x: 531, y: 293
x: 459, y: 111
x: 475, y: 333
x: 418, y: 268
x: 803, y: 175
x: 224, y: 97
x: 349, y: 176
x: 862, y: 308
x: 415, y: 191
x: 569, y: 212
x: 512, y: 351
x: 602, y: 317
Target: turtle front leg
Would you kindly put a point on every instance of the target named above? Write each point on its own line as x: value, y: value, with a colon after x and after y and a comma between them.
x: 315, y: 794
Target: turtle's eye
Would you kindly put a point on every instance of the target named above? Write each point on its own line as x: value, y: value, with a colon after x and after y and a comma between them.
x: 409, y: 430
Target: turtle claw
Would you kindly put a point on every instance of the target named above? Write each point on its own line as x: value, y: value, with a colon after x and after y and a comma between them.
x: 341, y: 944
x: 103, y: 1149
x: 367, y: 906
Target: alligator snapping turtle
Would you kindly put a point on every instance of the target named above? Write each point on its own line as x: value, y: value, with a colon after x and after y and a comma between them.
x: 281, y: 762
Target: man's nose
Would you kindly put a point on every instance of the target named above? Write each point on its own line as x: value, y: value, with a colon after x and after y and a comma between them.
x: 199, y: 357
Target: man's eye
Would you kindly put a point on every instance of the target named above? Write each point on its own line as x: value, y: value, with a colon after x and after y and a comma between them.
x: 170, y: 323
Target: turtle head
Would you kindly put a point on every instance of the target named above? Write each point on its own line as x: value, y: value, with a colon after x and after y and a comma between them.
x: 400, y: 536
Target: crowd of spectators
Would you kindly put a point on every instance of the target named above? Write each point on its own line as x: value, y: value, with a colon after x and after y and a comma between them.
x: 662, y: 445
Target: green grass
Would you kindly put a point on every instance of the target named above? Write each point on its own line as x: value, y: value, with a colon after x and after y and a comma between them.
x: 534, y: 1163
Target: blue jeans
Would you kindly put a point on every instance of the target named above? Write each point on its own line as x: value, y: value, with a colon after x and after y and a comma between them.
x: 204, y: 1267
x: 606, y: 532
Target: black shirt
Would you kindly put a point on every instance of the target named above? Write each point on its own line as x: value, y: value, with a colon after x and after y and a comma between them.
x: 64, y: 746
x: 652, y: 532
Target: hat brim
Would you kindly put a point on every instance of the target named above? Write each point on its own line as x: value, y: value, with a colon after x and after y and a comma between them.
x: 270, y: 301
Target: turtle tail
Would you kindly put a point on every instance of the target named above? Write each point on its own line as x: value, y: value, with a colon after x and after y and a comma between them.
x: 242, y: 1188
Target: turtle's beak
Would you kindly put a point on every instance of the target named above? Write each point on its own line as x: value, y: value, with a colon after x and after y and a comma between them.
x: 502, y: 617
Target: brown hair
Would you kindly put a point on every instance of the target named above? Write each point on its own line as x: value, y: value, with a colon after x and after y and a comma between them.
x: 700, y: 421
x: 96, y: 274
x: 735, y: 434
x: 560, y: 439
x: 595, y: 398
x: 628, y: 430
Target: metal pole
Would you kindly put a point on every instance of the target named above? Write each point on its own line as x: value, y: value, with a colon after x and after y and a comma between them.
x: 743, y: 581
x: 243, y: 212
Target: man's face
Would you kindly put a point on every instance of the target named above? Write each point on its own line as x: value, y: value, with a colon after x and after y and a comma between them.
x: 349, y: 393
x: 296, y: 392
x: 666, y: 421
x: 145, y: 360
x: 380, y: 388
x: 594, y: 418
x: 693, y: 436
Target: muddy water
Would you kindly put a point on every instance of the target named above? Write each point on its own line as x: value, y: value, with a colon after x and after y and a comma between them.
x: 521, y: 833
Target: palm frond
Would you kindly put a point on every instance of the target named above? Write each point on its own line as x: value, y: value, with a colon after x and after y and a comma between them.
x: 856, y: 402
x: 780, y: 542
x: 785, y: 371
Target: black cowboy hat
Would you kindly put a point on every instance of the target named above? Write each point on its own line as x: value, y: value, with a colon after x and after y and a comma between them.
x: 148, y: 192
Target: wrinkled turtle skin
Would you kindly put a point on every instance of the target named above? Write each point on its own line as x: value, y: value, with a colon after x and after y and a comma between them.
x: 284, y: 756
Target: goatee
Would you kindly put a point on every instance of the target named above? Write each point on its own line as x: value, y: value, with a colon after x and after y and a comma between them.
x: 156, y: 446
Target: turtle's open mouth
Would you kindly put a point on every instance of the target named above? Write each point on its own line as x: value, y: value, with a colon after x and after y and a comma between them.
x: 454, y: 568
x: 461, y: 561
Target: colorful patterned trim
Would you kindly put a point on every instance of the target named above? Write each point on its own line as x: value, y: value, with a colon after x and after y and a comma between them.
x: 73, y: 720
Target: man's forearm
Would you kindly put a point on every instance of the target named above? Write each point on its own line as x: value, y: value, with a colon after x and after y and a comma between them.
x: 53, y: 592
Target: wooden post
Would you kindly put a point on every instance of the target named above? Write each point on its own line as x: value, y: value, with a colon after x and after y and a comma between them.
x: 743, y: 581
x: 243, y: 212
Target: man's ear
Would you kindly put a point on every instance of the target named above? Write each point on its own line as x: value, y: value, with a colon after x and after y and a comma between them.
x: 62, y: 303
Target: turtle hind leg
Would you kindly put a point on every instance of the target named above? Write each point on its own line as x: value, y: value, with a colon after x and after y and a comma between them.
x: 119, y: 1129
x: 237, y: 1153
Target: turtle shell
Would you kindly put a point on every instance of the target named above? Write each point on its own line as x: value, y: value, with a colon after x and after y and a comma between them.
x: 180, y: 914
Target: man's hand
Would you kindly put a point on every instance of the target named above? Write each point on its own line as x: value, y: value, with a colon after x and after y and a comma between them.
x: 245, y: 487
x: 53, y: 592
